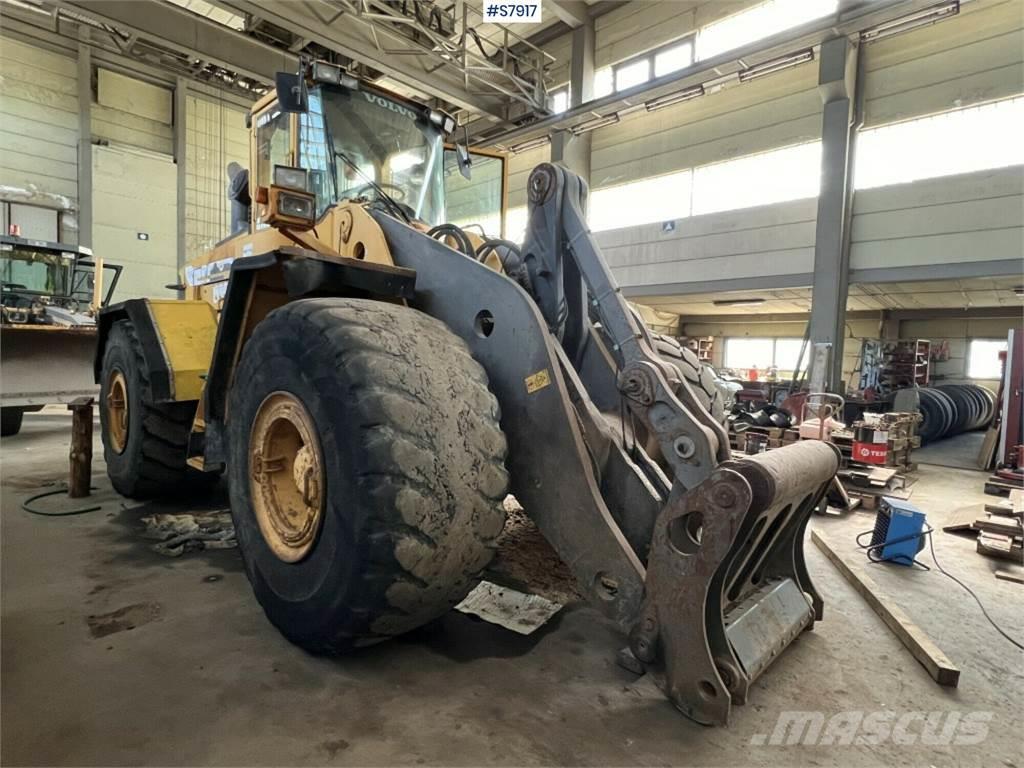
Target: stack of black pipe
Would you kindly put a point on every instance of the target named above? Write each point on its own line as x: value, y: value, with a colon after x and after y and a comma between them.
x: 950, y: 409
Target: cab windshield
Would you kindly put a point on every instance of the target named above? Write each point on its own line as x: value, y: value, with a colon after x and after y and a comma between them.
x: 360, y: 144
x: 35, y: 271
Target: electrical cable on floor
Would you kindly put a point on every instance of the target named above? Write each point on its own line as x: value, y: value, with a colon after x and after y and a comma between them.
x: 944, y: 572
x: 62, y: 513
x: 872, y: 551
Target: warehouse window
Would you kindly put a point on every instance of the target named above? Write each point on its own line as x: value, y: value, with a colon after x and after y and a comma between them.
x: 662, y: 198
x: 983, y: 358
x: 603, y: 82
x: 744, y: 353
x: 558, y: 101
x: 632, y: 74
x: 961, y: 141
x: 673, y: 59
x: 759, y: 22
x: 785, y: 174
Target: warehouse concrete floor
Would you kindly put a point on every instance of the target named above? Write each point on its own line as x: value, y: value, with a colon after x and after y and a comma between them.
x: 112, y: 654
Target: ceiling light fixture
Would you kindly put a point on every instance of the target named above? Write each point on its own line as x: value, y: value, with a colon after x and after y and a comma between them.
x: 776, y: 65
x: 593, y: 125
x: 526, y: 146
x: 674, y: 98
x: 1019, y: 291
x: 911, y: 21
x: 752, y: 302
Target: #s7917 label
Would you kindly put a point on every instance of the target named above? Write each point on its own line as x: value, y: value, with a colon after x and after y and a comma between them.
x: 522, y: 12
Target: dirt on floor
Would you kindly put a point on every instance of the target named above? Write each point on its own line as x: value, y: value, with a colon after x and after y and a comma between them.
x: 115, y: 654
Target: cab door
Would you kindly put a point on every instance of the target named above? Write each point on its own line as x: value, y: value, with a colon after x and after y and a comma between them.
x: 477, y: 204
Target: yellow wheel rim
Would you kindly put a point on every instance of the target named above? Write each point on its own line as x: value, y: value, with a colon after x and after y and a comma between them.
x: 286, y: 476
x: 117, y: 411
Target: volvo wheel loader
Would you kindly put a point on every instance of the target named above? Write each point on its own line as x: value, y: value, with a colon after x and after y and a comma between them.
x: 373, y: 382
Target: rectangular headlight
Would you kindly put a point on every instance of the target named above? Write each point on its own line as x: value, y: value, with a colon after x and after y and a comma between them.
x: 291, y: 178
x: 442, y: 120
x: 326, y: 73
x: 298, y: 206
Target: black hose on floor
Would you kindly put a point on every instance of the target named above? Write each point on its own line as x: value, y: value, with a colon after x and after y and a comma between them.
x: 63, y: 513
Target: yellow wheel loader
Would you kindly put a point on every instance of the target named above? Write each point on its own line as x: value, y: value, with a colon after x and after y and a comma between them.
x: 374, y: 381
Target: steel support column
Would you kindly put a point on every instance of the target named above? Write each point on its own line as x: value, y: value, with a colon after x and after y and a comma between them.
x: 574, y: 151
x: 180, y: 151
x: 836, y: 82
x: 84, y: 139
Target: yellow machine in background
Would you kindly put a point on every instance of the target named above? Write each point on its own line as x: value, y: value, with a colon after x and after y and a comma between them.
x: 374, y: 380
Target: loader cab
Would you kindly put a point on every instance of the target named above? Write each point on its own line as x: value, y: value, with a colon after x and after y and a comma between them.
x: 356, y: 143
x: 360, y: 142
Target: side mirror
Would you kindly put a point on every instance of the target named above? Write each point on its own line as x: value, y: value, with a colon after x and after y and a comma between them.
x: 464, y: 160
x: 292, y: 95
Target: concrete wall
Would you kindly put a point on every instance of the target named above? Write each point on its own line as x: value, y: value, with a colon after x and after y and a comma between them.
x: 973, y: 59
x: 714, y: 247
x: 132, y: 113
x: 764, y: 114
x: 979, y: 216
x: 39, y: 131
x: 949, y: 220
x: 39, y: 139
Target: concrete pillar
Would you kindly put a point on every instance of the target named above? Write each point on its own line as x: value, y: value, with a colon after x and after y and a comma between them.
x: 180, y: 149
x: 574, y: 151
x: 836, y: 83
x: 84, y: 138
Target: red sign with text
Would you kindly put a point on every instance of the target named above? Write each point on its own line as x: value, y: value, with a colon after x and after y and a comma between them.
x: 870, y: 453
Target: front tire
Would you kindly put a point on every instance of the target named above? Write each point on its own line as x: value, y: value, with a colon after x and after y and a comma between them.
x: 366, y: 470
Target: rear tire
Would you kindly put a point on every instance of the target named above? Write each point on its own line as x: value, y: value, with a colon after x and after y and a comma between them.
x: 10, y: 420
x: 146, y: 456
x: 406, y: 433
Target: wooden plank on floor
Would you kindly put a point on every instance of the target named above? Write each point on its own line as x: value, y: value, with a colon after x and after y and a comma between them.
x: 1016, y: 578
x: 931, y: 657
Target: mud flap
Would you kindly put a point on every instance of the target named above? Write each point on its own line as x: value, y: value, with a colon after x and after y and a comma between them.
x: 727, y: 587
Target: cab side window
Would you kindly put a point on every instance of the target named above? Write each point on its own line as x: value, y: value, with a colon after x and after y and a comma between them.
x: 272, y: 144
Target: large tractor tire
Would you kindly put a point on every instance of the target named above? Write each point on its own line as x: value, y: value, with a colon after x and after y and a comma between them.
x: 10, y: 420
x: 366, y: 470
x: 144, y: 443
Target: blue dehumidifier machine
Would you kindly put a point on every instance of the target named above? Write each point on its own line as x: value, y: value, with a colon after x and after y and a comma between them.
x: 898, y: 534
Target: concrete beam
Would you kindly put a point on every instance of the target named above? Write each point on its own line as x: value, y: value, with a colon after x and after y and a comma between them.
x: 65, y: 41
x: 572, y: 12
x: 725, y: 285
x: 883, y: 315
x: 964, y: 269
x: 836, y: 78
x: 84, y: 140
x: 189, y: 33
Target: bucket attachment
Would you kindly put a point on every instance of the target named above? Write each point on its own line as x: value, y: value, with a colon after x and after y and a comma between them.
x: 727, y: 587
